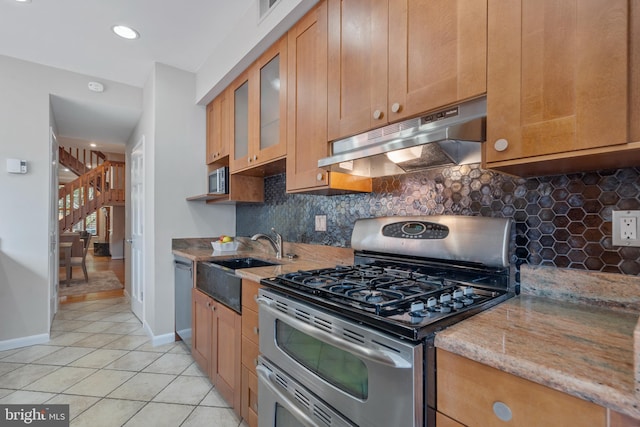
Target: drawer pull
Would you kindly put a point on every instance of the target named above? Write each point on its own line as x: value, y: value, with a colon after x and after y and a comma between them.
x: 256, y: 330
x: 502, y: 411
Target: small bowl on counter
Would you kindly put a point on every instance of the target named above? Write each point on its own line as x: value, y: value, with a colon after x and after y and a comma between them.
x: 225, y: 247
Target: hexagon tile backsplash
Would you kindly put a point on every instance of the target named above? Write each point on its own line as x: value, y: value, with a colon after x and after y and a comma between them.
x: 562, y: 221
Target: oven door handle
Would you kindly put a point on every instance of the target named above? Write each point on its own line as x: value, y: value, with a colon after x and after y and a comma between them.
x: 374, y: 355
x: 266, y: 376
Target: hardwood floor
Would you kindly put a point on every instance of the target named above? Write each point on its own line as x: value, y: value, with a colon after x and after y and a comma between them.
x: 97, y: 263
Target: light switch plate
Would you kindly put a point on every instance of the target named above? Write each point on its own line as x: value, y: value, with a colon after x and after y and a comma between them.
x: 625, y: 228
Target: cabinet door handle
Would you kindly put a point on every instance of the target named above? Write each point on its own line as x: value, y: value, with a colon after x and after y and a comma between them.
x: 319, y: 177
x: 502, y: 411
x: 377, y: 114
x: 213, y: 308
x: 208, y: 303
x: 501, y: 144
x: 256, y: 330
x: 395, y: 107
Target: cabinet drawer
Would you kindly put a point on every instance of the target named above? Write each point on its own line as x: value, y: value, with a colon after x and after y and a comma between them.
x: 249, y: 292
x: 250, y: 325
x: 250, y: 353
x: 469, y: 391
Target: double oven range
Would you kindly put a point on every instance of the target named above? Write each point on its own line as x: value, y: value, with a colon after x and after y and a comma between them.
x: 353, y: 345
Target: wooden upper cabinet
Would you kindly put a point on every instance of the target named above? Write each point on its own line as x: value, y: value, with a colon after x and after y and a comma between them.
x: 437, y: 54
x: 307, y: 105
x: 558, y: 77
x: 391, y: 60
x: 307, y: 110
x: 259, y: 110
x: 218, y: 128
x: 358, y: 72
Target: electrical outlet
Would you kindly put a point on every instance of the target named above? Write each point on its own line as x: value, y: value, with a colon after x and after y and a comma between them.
x: 321, y: 223
x: 625, y: 228
x: 629, y: 228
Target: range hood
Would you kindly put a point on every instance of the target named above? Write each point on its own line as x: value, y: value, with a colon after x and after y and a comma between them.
x: 451, y: 136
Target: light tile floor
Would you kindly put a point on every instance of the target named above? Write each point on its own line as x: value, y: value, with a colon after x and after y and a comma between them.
x: 100, y: 362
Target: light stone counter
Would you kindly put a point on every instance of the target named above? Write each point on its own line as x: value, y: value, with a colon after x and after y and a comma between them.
x: 589, y: 349
x: 308, y: 257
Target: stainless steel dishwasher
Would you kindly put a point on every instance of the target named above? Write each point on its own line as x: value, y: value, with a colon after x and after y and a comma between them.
x: 183, y: 284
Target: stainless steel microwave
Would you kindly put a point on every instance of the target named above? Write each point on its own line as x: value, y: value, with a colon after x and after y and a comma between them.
x: 219, y: 181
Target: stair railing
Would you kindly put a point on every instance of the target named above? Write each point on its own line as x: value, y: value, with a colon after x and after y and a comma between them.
x: 79, y: 160
x: 102, y: 186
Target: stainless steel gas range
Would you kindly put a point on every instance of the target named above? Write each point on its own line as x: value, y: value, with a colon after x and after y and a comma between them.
x: 353, y: 345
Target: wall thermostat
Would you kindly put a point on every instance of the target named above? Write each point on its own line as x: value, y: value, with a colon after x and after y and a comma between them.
x: 16, y: 166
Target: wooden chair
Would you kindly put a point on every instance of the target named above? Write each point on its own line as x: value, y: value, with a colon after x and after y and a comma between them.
x: 79, y: 249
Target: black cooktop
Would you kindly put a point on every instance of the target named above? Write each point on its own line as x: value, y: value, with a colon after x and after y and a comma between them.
x: 407, y: 300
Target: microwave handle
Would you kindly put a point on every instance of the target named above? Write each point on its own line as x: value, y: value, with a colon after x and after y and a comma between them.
x: 266, y: 376
x: 375, y: 355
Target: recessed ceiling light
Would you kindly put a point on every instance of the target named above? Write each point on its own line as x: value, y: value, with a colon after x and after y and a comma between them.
x: 23, y: 1
x: 125, y: 32
x: 93, y: 144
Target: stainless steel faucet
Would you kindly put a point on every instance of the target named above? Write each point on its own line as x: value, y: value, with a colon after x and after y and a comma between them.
x: 276, y: 244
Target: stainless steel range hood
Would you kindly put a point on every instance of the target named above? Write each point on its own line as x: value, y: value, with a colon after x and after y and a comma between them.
x: 451, y: 136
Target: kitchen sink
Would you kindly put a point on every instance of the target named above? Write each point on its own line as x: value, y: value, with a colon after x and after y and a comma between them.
x: 238, y: 263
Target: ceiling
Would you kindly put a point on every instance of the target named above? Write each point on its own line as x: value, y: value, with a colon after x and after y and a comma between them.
x: 75, y: 35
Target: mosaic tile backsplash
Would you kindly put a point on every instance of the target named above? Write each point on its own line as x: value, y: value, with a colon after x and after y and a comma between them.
x: 562, y: 221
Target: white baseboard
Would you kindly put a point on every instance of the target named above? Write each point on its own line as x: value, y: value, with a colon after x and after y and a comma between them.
x: 23, y: 341
x: 117, y: 257
x: 157, y: 340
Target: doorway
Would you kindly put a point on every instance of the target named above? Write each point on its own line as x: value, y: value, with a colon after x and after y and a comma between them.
x: 136, y: 164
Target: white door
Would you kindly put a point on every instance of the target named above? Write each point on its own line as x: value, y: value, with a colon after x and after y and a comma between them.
x: 54, y: 262
x: 137, y: 229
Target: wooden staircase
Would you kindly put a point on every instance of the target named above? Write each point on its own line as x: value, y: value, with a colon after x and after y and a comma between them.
x: 94, y: 188
x: 80, y: 162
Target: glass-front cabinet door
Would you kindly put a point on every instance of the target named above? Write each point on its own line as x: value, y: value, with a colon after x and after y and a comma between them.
x: 270, y: 103
x: 239, y: 94
x: 260, y: 110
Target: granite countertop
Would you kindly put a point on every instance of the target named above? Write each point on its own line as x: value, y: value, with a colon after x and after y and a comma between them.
x: 586, y: 345
x: 307, y: 257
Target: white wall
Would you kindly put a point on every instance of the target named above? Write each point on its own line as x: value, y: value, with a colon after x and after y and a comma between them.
x: 250, y: 37
x: 174, y: 131
x: 24, y: 134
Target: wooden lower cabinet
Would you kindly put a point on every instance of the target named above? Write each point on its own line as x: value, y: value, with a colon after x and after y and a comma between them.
x: 250, y: 351
x: 249, y: 397
x: 216, y: 345
x: 201, y: 329
x: 475, y: 395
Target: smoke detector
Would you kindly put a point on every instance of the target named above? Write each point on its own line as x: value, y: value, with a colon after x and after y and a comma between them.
x: 96, y: 87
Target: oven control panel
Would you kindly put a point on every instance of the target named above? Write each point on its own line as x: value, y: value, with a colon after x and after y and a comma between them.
x: 415, y: 230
